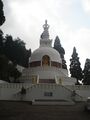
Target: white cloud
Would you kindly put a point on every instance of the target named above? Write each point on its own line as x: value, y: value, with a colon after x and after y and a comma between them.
x: 24, y: 19
x: 81, y: 40
x: 86, y: 5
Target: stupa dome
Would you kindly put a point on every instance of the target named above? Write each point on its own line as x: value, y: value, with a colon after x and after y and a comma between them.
x: 38, y: 54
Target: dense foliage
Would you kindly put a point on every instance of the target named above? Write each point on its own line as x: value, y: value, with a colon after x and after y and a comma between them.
x: 60, y: 49
x: 75, y: 66
x: 12, y: 52
x: 16, y: 51
x: 8, y: 70
x: 2, y: 17
x: 86, y: 73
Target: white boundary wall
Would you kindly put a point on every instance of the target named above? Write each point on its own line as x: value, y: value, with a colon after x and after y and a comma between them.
x: 12, y: 91
x: 82, y: 90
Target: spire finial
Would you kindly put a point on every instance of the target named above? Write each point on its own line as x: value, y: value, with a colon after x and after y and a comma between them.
x: 45, y: 21
x: 45, y: 26
x: 45, y: 34
x: 45, y: 41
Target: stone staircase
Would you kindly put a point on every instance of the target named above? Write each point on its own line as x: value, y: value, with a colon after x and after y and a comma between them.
x: 61, y: 95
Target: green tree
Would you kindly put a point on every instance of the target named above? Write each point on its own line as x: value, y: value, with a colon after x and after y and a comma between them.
x: 16, y: 51
x: 8, y: 69
x: 2, y: 20
x: 8, y: 47
x: 1, y: 42
x: 60, y: 49
x: 75, y: 66
x: 2, y: 17
x: 14, y: 73
x: 86, y: 72
x: 3, y: 67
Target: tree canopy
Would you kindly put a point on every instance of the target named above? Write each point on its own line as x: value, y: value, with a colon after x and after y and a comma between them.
x: 2, y: 17
x: 60, y: 49
x: 75, y: 66
x: 8, y: 69
x: 86, y: 72
x: 16, y: 51
x: 1, y: 42
x: 12, y: 50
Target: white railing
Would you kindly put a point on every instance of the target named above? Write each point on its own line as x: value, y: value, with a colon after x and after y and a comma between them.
x: 15, y: 85
x: 78, y: 87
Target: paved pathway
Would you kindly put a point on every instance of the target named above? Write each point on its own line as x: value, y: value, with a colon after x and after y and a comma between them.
x: 25, y: 111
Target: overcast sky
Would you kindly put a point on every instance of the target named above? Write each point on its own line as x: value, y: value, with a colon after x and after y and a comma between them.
x: 69, y: 19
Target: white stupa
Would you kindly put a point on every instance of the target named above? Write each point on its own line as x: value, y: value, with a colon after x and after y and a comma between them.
x: 45, y: 64
x: 45, y: 82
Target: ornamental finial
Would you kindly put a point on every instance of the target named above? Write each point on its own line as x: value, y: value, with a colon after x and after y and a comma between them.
x: 45, y: 26
x: 45, y: 34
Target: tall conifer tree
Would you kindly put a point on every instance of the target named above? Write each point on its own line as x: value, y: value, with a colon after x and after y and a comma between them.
x: 60, y: 49
x: 75, y: 66
x: 86, y: 73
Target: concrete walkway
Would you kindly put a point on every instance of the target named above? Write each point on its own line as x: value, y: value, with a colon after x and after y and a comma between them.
x: 25, y: 111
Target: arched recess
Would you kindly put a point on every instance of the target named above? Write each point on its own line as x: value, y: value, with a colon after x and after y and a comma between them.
x: 45, y: 60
